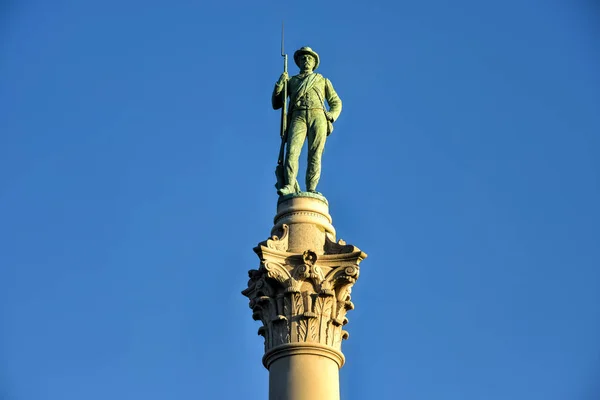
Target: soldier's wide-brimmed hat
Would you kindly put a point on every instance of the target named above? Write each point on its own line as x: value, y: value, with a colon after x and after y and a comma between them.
x: 305, y: 50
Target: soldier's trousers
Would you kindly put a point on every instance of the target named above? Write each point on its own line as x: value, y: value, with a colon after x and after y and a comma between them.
x: 303, y: 124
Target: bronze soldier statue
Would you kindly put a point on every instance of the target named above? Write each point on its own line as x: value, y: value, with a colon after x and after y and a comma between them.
x: 307, y: 117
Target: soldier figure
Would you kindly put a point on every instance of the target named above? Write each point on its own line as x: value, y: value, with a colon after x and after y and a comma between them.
x: 307, y: 117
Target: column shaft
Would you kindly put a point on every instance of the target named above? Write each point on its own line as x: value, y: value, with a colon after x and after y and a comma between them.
x: 304, y: 377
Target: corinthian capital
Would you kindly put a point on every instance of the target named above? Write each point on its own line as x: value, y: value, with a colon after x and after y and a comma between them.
x: 303, y: 298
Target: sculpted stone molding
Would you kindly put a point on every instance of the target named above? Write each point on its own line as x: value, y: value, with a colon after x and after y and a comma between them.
x: 318, y: 349
x: 302, y: 298
x: 303, y: 216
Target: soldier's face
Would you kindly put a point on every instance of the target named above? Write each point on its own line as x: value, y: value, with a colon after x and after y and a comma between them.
x: 307, y: 61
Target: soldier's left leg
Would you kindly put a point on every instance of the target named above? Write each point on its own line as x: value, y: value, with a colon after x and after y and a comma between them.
x: 317, y: 134
x: 296, y: 135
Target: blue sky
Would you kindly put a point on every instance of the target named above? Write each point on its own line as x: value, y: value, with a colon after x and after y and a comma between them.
x: 137, y: 149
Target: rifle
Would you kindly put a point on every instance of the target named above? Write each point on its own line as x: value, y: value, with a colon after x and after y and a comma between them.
x: 279, y: 172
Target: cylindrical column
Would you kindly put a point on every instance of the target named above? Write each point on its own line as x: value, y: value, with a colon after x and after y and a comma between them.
x: 301, y: 294
x: 303, y: 371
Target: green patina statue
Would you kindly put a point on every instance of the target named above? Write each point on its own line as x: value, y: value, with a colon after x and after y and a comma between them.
x: 306, y: 117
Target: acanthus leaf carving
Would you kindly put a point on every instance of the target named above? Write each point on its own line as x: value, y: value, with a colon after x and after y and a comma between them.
x: 298, y: 308
x: 313, y: 323
x: 302, y: 330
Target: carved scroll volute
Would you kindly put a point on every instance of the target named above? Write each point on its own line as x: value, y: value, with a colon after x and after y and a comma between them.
x: 280, y: 242
x: 276, y: 271
x: 308, y: 270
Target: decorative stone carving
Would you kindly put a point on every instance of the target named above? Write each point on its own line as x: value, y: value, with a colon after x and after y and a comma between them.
x: 340, y: 247
x: 278, y: 243
x: 302, y: 298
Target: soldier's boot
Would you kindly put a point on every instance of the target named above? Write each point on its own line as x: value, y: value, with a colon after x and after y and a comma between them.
x: 287, y: 189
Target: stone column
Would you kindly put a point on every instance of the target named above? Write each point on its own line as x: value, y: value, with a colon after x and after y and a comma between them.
x: 301, y: 293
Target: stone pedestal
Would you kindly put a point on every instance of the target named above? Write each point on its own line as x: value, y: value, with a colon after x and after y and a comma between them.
x: 301, y: 293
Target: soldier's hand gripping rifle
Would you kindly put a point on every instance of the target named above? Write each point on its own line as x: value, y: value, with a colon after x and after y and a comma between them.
x: 279, y: 171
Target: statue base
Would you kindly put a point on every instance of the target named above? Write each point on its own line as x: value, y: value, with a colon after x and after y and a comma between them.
x: 303, y: 220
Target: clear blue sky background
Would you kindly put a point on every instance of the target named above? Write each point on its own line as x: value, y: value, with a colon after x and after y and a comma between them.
x: 137, y: 148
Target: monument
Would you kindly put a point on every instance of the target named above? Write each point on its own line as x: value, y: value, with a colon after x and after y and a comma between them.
x: 301, y: 289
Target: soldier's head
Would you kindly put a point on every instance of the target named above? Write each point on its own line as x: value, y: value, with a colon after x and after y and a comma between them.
x: 306, y: 59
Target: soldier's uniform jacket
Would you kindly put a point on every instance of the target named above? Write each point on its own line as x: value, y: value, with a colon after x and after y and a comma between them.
x: 309, y: 92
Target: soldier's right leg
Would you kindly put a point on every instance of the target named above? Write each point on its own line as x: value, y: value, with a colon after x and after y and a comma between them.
x: 295, y: 139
